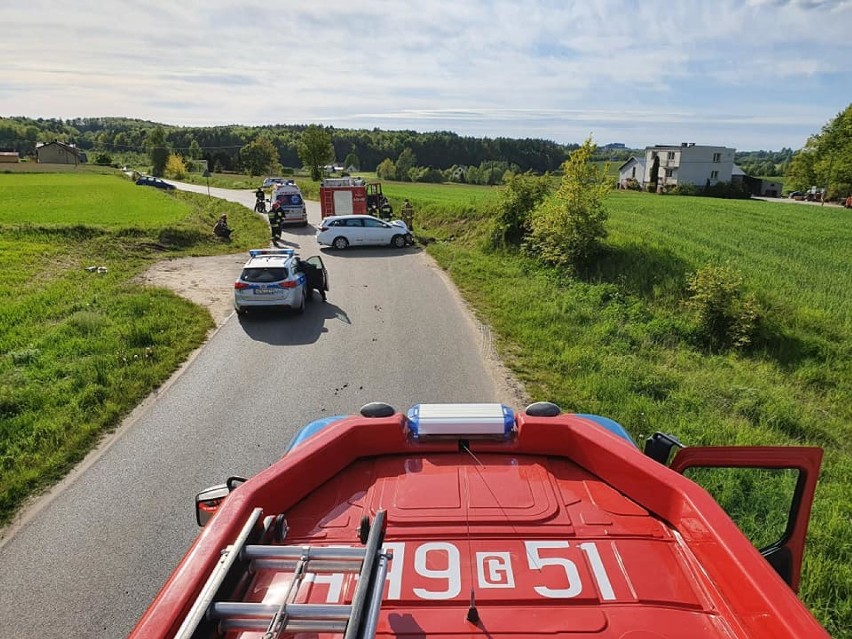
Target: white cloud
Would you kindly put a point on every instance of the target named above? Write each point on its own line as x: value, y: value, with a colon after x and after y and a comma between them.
x: 545, y: 68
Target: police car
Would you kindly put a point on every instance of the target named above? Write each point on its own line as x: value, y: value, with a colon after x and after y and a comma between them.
x: 278, y: 278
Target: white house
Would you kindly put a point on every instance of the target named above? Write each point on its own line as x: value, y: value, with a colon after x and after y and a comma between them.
x: 689, y: 164
x: 633, y: 169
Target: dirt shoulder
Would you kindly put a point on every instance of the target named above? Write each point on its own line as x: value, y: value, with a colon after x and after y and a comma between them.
x: 207, y: 281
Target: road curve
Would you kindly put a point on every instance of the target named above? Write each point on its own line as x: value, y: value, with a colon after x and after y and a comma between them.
x: 88, y: 559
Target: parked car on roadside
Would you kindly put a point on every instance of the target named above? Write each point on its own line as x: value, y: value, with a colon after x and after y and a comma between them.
x: 157, y: 183
x: 278, y: 278
x: 341, y: 231
x: 796, y: 195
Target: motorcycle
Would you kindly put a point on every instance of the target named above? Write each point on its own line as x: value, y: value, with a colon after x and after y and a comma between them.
x: 260, y: 206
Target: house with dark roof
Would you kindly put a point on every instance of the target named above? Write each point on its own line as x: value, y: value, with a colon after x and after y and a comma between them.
x: 633, y: 169
x: 57, y: 152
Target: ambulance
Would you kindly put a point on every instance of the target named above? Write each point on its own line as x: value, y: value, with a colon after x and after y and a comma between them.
x: 289, y: 198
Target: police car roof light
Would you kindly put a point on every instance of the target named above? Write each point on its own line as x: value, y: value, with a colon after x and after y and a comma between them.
x: 260, y: 252
x: 461, y: 420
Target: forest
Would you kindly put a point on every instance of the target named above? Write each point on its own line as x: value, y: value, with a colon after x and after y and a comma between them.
x: 220, y: 146
x: 825, y: 159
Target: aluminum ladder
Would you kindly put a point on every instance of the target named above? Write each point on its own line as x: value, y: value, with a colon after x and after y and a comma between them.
x: 357, y: 620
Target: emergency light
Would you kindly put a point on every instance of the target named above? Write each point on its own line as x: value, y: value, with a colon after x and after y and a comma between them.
x: 261, y: 252
x: 461, y: 420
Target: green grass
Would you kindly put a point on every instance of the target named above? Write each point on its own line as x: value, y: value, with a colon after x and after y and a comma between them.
x: 85, y: 199
x: 619, y: 341
x: 80, y: 349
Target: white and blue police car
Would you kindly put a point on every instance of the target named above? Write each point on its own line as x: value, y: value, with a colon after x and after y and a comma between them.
x: 278, y: 278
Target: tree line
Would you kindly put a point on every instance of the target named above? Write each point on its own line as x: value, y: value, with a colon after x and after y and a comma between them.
x: 220, y: 146
x: 825, y: 160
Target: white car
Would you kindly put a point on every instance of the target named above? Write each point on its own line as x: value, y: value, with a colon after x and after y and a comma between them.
x: 341, y: 231
x: 278, y: 278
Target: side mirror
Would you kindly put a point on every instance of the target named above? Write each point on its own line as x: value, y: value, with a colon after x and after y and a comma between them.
x: 207, y: 502
x: 659, y: 446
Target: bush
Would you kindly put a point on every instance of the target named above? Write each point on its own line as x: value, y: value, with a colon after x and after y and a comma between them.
x: 175, y: 167
x: 727, y: 190
x: 726, y: 315
x: 685, y: 189
x: 426, y: 174
x: 523, y: 193
x: 566, y: 231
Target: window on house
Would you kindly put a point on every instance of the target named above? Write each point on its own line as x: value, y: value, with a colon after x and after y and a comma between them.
x: 714, y: 175
x: 670, y: 155
x: 669, y: 172
x: 717, y: 157
x: 633, y: 173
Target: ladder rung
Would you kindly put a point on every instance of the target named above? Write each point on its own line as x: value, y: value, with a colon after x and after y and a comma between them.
x: 317, y: 612
x: 340, y: 553
x: 320, y: 559
x: 260, y: 625
x: 316, y: 566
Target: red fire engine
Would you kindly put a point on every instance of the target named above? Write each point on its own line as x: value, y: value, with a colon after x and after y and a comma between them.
x: 353, y: 196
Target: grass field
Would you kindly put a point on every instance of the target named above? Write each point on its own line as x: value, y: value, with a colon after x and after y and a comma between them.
x: 80, y: 349
x: 618, y: 341
x: 85, y: 199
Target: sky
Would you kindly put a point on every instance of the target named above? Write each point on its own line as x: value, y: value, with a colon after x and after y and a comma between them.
x: 747, y: 74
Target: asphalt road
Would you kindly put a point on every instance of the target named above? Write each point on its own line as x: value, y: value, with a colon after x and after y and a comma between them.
x: 88, y: 559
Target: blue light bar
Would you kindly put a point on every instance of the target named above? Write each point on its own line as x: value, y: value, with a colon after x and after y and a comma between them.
x: 260, y: 252
x: 461, y: 420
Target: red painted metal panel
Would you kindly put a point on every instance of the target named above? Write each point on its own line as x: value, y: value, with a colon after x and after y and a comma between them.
x: 806, y: 460
x: 564, y: 530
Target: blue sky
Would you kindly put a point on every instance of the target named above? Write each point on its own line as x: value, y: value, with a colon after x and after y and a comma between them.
x: 749, y: 74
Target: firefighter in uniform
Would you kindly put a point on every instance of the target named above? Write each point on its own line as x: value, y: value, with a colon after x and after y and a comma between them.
x: 276, y: 217
x: 407, y: 213
x: 260, y: 200
x: 385, y: 210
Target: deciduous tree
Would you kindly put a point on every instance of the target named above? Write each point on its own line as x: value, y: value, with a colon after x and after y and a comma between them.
x: 353, y: 161
x: 195, y: 151
x: 404, y: 163
x: 386, y: 169
x: 826, y: 159
x: 567, y: 229
x: 259, y: 156
x: 316, y: 150
x: 158, y: 150
x: 175, y: 167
